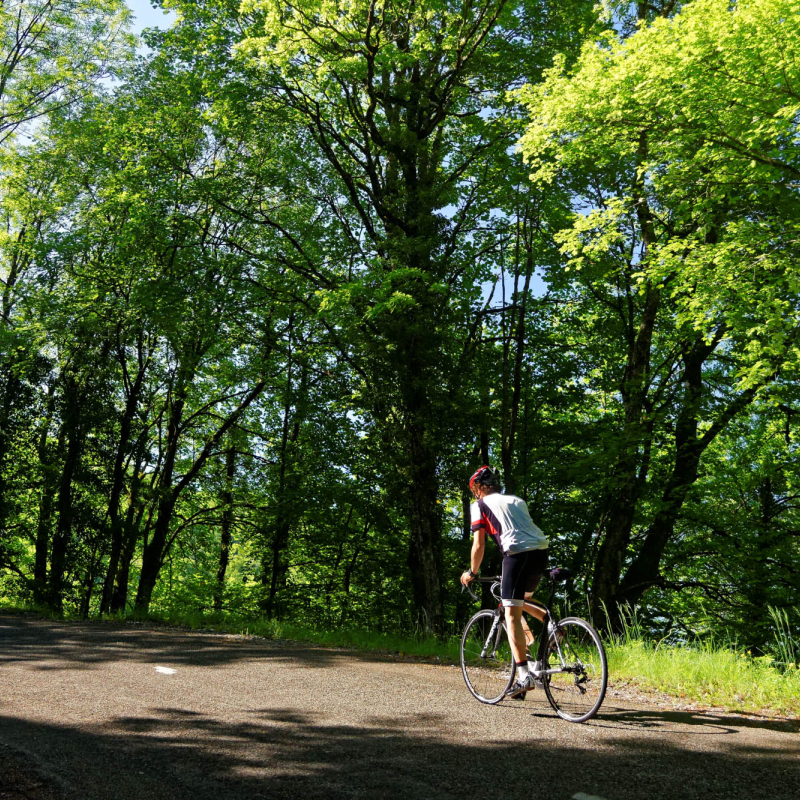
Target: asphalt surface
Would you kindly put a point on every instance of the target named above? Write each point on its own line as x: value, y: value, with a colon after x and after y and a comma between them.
x: 125, y: 711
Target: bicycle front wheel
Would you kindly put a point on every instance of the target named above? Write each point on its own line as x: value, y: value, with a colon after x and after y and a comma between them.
x: 577, y: 684
x: 486, y: 659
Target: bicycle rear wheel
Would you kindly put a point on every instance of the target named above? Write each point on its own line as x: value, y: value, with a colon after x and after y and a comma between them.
x: 576, y: 690
x: 487, y: 663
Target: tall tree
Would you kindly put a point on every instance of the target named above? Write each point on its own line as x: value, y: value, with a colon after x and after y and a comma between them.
x: 54, y: 52
x: 679, y: 208
x: 392, y: 98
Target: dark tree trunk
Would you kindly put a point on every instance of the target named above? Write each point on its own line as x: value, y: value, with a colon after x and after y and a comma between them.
x: 279, y: 566
x: 424, y: 553
x: 226, y: 526
x: 644, y: 570
x: 288, y: 485
x: 580, y: 558
x: 631, y: 467
x: 628, y: 474
x: 348, y: 573
x: 115, y: 524
x: 88, y: 586
x: 133, y: 519
x: 18, y: 261
x: 63, y: 531
x: 513, y: 394
x: 345, y: 534
x: 119, y: 598
x: 10, y: 389
x: 48, y: 464
x: 484, y: 447
x: 154, y: 549
x: 152, y: 557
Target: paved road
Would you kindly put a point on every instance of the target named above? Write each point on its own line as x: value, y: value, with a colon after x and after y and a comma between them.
x: 123, y: 711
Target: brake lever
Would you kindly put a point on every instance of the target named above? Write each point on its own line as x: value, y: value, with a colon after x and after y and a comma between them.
x: 469, y: 591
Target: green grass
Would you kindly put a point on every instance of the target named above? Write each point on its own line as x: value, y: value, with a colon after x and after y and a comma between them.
x: 713, y: 674
x: 708, y: 674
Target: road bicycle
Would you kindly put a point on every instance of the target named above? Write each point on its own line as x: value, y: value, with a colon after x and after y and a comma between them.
x: 575, y: 670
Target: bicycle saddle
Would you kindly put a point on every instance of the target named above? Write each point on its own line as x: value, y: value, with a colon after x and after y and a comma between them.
x: 560, y: 574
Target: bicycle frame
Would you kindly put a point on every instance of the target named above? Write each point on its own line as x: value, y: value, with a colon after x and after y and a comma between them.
x: 494, y: 632
x: 543, y: 638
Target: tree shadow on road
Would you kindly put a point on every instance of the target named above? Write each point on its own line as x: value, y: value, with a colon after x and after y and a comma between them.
x: 285, y: 752
x: 689, y: 722
x: 54, y: 645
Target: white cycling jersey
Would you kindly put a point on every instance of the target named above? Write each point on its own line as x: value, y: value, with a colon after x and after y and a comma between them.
x: 506, y: 519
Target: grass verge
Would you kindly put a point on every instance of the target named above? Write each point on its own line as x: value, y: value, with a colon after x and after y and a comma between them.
x: 709, y: 674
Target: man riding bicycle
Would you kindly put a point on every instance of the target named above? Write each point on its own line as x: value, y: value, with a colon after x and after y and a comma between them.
x: 506, y: 519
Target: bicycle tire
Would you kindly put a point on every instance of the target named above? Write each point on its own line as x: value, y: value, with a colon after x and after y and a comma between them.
x: 490, y: 675
x: 576, y: 692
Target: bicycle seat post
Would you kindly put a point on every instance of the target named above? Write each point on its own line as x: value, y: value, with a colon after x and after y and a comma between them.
x: 552, y: 597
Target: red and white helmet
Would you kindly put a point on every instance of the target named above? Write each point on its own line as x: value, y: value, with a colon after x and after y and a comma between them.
x: 484, y: 476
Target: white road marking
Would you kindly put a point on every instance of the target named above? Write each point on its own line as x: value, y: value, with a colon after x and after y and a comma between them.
x: 582, y: 796
x: 169, y: 671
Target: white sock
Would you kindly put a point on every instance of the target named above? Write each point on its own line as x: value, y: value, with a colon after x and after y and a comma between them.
x: 522, y: 671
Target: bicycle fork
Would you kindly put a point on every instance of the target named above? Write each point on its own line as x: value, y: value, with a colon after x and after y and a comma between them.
x: 493, y: 636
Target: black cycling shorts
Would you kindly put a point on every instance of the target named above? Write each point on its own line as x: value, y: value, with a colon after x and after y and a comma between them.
x: 521, y: 574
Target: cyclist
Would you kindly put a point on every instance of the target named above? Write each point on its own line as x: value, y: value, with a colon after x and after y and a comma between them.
x: 507, y: 520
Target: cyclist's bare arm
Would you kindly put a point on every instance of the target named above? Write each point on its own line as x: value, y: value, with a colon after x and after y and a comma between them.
x: 476, y: 557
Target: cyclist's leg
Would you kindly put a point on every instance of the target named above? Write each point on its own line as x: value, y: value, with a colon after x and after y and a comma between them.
x: 537, y: 569
x: 531, y: 608
x: 516, y: 572
x: 527, y: 632
x: 534, y: 611
x: 516, y: 632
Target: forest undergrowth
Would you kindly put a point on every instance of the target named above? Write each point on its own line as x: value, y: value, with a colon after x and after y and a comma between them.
x: 713, y: 672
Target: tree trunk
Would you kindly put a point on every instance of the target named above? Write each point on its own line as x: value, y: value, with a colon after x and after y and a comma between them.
x: 153, y: 550
x: 6, y: 407
x: 644, y: 571
x: 631, y: 467
x: 48, y: 465
x: 153, y: 554
x: 226, y: 526
x: 116, y: 527
x: 424, y: 552
x: 63, y: 532
x: 288, y: 485
x: 517, y: 333
x: 132, y: 522
x: 119, y: 598
x: 348, y: 573
x: 628, y: 474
